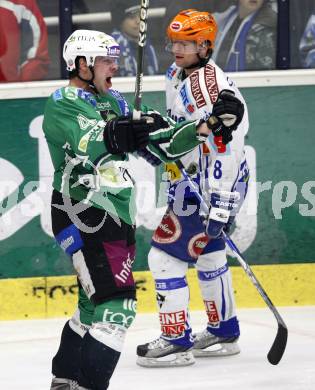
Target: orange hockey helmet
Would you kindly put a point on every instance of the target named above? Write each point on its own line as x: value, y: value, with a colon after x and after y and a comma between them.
x: 193, y: 25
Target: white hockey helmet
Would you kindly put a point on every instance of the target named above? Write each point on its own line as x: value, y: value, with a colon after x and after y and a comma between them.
x: 89, y: 44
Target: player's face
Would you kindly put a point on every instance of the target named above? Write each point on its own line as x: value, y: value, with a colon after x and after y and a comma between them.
x: 184, y: 52
x: 104, y: 69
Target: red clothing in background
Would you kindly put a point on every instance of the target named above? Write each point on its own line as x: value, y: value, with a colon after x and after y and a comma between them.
x: 23, y: 41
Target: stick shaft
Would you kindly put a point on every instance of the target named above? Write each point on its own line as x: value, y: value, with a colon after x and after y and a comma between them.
x: 140, y: 55
x: 279, y: 345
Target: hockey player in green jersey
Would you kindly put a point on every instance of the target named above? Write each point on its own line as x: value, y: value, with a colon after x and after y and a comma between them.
x: 90, y: 131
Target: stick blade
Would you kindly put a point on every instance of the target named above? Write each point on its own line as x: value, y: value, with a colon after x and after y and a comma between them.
x: 278, y: 347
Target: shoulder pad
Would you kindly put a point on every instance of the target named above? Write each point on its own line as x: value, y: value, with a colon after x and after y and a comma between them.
x: 123, y: 104
x: 57, y: 95
x: 171, y: 71
x: 88, y: 96
x: 72, y: 94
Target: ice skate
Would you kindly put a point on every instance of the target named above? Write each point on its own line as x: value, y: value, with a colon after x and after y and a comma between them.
x: 207, y: 344
x: 162, y: 353
x: 65, y: 384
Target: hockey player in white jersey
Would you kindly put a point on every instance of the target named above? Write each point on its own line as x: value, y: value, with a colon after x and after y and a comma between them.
x: 197, y: 88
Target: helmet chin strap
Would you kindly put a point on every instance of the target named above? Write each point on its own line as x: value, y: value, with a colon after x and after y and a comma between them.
x: 89, y: 81
x: 197, y: 65
x: 201, y: 62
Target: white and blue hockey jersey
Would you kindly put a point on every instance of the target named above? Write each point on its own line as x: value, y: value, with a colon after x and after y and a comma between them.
x: 214, y: 165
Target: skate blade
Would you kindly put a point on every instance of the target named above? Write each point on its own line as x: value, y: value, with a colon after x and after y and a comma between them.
x: 224, y: 349
x: 174, y: 360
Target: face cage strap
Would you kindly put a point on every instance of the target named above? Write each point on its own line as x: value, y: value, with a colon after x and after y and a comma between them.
x: 90, y: 82
x: 201, y: 61
x: 199, y: 64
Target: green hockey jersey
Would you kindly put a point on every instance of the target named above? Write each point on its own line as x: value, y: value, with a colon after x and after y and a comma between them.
x: 73, y: 124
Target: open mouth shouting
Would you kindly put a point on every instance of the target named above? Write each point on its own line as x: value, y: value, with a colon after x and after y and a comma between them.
x: 108, y: 81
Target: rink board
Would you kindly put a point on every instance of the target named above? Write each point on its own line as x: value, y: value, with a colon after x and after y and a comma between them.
x: 282, y: 228
x: 279, y: 227
x: 49, y: 297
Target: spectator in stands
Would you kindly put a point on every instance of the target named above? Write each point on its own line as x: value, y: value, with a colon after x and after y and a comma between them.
x: 246, y: 37
x: 300, y: 11
x: 174, y: 7
x: 307, y: 44
x: 128, y: 20
x: 23, y: 41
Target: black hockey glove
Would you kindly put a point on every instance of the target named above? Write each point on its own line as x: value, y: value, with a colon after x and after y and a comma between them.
x: 229, y: 109
x: 218, y: 129
x: 228, y: 225
x: 127, y: 135
x: 159, y: 123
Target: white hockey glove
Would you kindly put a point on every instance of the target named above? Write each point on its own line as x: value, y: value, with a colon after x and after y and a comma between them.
x: 222, y: 205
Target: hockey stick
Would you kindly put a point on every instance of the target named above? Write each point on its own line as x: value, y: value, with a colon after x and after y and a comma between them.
x: 141, y: 45
x: 278, y: 347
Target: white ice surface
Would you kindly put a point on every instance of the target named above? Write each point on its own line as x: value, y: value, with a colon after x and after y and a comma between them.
x: 26, y: 349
